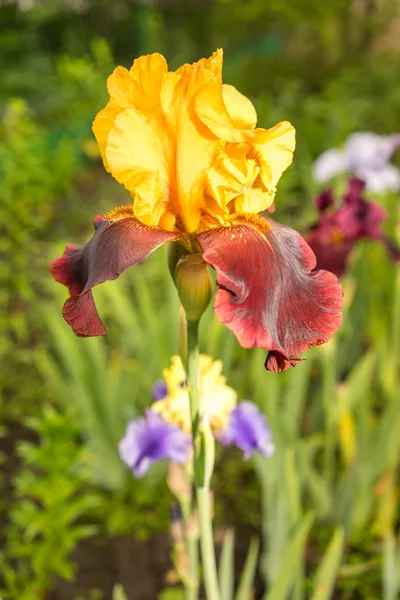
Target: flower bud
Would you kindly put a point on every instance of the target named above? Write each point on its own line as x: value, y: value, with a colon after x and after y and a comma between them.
x: 194, y: 285
x: 175, y: 253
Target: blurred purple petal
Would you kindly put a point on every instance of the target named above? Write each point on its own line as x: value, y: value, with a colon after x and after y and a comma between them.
x: 248, y: 429
x: 159, y: 390
x: 150, y: 439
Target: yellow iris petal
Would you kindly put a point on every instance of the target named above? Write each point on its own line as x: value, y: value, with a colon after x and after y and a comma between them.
x: 102, y: 126
x: 185, y: 145
x: 141, y: 167
x: 273, y: 151
x: 240, y: 109
x: 217, y: 400
x: 120, y: 86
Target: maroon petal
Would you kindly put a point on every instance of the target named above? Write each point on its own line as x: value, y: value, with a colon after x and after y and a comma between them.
x: 268, y: 295
x: 355, y: 190
x: 277, y: 362
x: 324, y: 200
x: 330, y: 248
x: 117, y: 244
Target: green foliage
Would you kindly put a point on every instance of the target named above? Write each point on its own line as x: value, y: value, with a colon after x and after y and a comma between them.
x: 329, y: 567
x: 106, y: 386
x: 140, y: 508
x: 49, y: 514
x: 172, y: 594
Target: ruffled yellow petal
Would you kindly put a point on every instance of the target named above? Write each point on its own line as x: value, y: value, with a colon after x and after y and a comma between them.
x: 193, y: 76
x: 102, y: 125
x: 226, y: 179
x: 121, y: 87
x: 137, y: 156
x: 253, y: 199
x: 140, y: 87
x: 216, y: 399
x: 195, y: 147
x: 211, y: 110
x: 241, y: 110
x: 186, y: 146
x: 273, y: 151
x: 175, y: 376
x: 148, y: 73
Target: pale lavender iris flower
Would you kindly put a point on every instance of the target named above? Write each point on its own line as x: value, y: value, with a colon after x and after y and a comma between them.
x: 150, y: 439
x: 248, y: 430
x: 365, y: 155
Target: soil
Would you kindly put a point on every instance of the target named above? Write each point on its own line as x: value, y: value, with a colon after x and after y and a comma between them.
x: 138, y: 566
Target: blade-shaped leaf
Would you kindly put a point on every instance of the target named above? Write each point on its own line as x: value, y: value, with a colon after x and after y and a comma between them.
x: 281, y: 587
x: 247, y: 577
x: 226, y: 574
x: 327, y: 571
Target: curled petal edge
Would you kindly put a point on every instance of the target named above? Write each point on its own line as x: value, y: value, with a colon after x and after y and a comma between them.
x: 269, y: 294
x: 118, y: 243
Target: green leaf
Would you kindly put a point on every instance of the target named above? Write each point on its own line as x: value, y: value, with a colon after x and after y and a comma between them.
x: 247, y: 577
x: 118, y: 593
x: 284, y: 582
x: 172, y: 594
x: 226, y: 572
x: 390, y: 568
x: 327, y: 571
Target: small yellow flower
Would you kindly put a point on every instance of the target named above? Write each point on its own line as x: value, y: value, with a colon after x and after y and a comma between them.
x: 217, y: 400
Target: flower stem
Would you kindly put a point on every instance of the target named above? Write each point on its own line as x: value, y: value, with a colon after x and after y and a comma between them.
x: 193, y: 383
x: 202, y: 491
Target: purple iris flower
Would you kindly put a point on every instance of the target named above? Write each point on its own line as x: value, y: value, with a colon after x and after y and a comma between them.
x: 159, y: 390
x: 337, y: 231
x: 248, y: 430
x: 149, y: 439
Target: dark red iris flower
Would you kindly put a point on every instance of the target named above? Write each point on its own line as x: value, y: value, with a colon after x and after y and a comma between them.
x: 333, y: 237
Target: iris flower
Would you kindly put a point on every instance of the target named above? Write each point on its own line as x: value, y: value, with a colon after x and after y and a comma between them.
x: 199, y: 172
x: 165, y: 431
x: 365, y: 155
x: 338, y: 229
x: 150, y: 439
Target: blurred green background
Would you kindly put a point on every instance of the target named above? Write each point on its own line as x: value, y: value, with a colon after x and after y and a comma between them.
x: 74, y: 522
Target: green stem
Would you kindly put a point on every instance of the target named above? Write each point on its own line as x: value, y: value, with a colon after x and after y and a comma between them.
x: 202, y: 493
x: 193, y: 375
